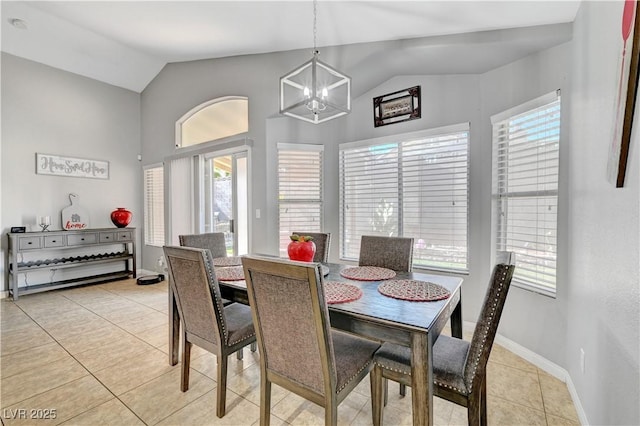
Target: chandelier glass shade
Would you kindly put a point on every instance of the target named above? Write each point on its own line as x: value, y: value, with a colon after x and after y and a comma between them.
x: 314, y: 91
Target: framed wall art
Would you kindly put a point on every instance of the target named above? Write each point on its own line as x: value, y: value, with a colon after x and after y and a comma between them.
x: 396, y: 107
x: 627, y: 89
x: 47, y: 164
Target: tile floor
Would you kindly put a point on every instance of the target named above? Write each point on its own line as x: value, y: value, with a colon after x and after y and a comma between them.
x: 98, y: 355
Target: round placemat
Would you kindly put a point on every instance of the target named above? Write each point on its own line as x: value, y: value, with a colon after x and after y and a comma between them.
x: 337, y: 292
x: 417, y: 291
x: 368, y: 273
x: 227, y: 261
x: 232, y: 273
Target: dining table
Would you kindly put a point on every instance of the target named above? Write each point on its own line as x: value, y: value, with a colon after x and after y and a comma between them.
x: 414, y: 324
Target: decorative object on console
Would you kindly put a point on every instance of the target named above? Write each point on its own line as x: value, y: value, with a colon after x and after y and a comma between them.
x: 314, y: 91
x: 47, y: 164
x: 397, y: 107
x: 18, y: 229
x: 44, y: 222
x: 74, y: 216
x: 301, y: 248
x: 121, y: 217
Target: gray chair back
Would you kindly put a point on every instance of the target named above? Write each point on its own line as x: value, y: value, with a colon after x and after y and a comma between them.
x: 386, y: 252
x: 291, y: 320
x: 489, y: 318
x: 214, y: 241
x: 322, y: 242
x: 195, y: 286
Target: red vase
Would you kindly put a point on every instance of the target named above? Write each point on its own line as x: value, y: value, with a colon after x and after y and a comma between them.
x: 121, y: 217
x: 301, y: 250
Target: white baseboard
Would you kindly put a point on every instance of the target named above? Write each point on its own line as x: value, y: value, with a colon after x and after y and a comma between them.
x: 543, y: 364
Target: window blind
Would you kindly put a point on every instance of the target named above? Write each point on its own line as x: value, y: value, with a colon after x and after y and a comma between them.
x: 154, y: 205
x: 526, y: 159
x: 299, y: 190
x: 410, y: 185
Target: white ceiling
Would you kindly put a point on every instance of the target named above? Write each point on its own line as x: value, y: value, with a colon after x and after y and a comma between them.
x: 127, y: 43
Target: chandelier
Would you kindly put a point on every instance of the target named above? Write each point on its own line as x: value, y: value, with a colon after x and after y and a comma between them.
x: 314, y: 91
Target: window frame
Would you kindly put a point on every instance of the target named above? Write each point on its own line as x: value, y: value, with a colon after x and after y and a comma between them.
x: 150, y: 240
x: 399, y: 140
x: 501, y: 194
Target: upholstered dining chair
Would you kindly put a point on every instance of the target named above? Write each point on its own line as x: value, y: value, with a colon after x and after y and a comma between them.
x: 386, y: 252
x: 459, y: 367
x: 221, y: 330
x: 298, y: 349
x: 214, y: 241
x: 322, y: 242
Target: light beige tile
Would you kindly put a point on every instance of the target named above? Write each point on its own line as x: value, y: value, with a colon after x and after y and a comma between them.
x: 202, y: 411
x: 157, y: 336
x: 117, y: 352
x: 37, y: 380
x: 514, y: 385
x: 76, y: 328
x: 500, y: 355
x: 206, y: 363
x: 135, y: 371
x: 247, y: 385
x: 93, y: 339
x: 560, y: 421
x: 503, y: 412
x: 29, y: 359
x: 112, y: 412
x: 557, y: 400
x: 145, y: 322
x: 162, y: 397
x: 22, y: 339
x: 61, y: 403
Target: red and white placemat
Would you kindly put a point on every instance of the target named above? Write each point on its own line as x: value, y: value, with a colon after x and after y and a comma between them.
x: 368, y: 273
x: 231, y: 273
x: 227, y: 261
x: 416, y: 291
x: 337, y: 292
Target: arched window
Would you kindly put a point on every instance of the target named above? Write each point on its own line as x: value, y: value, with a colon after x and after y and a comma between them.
x: 212, y: 120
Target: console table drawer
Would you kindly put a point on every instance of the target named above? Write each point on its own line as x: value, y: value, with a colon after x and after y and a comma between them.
x: 106, y: 237
x: 82, y: 239
x: 57, y: 241
x: 28, y: 243
x: 124, y: 236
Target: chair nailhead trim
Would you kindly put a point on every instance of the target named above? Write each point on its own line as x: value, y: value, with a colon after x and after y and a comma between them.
x: 353, y: 377
x: 244, y: 338
x: 463, y: 392
x: 218, y: 302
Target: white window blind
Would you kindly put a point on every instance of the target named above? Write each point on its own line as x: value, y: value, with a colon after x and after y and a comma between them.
x: 526, y: 146
x: 299, y: 190
x: 413, y: 185
x: 154, y: 205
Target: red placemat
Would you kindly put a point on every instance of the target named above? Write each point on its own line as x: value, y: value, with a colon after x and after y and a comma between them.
x: 227, y: 261
x: 231, y: 273
x: 368, y: 273
x: 337, y: 292
x: 417, y: 291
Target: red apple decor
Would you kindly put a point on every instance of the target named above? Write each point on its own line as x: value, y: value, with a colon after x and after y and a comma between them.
x: 301, y: 248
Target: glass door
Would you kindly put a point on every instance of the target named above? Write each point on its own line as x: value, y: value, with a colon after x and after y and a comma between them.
x: 225, y: 199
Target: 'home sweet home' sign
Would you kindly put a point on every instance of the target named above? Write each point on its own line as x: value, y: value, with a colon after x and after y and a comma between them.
x: 73, y: 167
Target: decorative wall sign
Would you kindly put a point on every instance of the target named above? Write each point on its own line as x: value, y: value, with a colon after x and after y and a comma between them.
x: 47, y: 164
x: 396, y: 107
x: 74, y: 216
x: 626, y: 96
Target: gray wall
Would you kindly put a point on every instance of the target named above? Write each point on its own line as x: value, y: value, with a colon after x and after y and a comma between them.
x: 45, y: 110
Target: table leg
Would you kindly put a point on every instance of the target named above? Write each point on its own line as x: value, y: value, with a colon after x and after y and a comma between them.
x: 174, y: 329
x: 456, y: 320
x: 421, y: 380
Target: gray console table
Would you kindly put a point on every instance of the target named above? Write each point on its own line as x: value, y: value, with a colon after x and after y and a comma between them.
x: 49, y: 250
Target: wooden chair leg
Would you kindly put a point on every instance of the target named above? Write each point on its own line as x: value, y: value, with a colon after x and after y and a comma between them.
x: 240, y: 354
x: 186, y: 362
x: 378, y: 384
x: 385, y: 389
x: 254, y: 347
x: 483, y: 402
x: 403, y: 390
x: 222, y: 385
x: 265, y: 400
x: 473, y: 409
x: 331, y: 412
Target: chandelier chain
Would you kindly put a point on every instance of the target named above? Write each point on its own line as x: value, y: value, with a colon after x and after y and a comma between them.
x: 315, y: 29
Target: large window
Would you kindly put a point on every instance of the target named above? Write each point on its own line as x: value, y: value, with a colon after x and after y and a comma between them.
x: 154, y: 205
x: 413, y: 185
x: 526, y: 142
x: 299, y: 190
x: 213, y: 120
